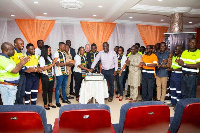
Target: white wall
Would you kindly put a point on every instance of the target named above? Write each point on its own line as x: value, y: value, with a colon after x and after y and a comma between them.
x: 123, y: 34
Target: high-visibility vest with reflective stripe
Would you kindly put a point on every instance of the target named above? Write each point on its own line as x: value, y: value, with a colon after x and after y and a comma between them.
x: 6, y: 66
x: 149, y: 59
x: 138, y: 52
x: 174, y: 63
x: 190, y: 58
x: 33, y: 62
x: 129, y: 54
x: 147, y: 71
x: 16, y: 57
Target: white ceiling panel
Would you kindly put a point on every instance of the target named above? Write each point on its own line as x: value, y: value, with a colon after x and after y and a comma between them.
x: 111, y: 11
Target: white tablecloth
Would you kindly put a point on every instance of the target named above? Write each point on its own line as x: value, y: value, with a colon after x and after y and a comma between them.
x: 96, y: 89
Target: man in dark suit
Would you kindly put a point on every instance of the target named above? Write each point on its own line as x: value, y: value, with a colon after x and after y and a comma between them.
x: 73, y: 53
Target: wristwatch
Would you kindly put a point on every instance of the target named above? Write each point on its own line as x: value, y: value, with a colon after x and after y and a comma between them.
x: 184, y: 64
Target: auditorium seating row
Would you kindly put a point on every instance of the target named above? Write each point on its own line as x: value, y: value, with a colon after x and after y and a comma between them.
x: 140, y: 117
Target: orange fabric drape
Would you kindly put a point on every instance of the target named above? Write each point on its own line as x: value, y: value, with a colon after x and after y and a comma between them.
x: 34, y: 30
x: 152, y: 34
x: 97, y: 32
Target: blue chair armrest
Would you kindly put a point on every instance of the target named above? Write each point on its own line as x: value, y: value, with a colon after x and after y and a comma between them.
x: 171, y: 119
x: 49, y: 128
x: 116, y: 127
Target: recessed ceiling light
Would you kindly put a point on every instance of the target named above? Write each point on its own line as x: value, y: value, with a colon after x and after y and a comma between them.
x: 45, y: 13
x: 100, y: 6
x: 12, y: 15
x: 190, y: 22
x: 161, y: 20
x: 94, y: 15
x: 159, y: 0
x: 35, y: 2
x: 130, y: 17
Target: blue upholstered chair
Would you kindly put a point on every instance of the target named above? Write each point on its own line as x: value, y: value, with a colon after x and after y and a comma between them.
x: 23, y: 118
x: 84, y: 118
x: 145, y: 117
x: 187, y: 116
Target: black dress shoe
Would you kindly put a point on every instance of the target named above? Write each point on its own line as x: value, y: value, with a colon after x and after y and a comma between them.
x: 110, y: 99
x: 66, y: 101
x: 58, y: 104
x: 128, y: 95
x: 77, y: 99
x: 47, y: 108
x: 154, y: 99
x: 73, y: 94
x: 170, y: 105
x: 70, y: 97
x: 53, y: 106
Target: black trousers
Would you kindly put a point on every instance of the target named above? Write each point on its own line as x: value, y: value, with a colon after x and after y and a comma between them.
x: 78, y: 80
x: 47, y: 87
x: 71, y: 83
x: 147, y: 88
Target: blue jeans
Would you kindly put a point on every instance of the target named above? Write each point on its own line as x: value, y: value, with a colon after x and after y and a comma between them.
x: 21, y: 90
x: 108, y: 75
x: 189, y: 86
x: 125, y: 78
x: 120, y: 83
x: 8, y: 94
x: 61, y: 80
x: 147, y: 88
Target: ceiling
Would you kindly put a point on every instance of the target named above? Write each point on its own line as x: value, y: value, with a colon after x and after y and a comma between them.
x: 141, y: 11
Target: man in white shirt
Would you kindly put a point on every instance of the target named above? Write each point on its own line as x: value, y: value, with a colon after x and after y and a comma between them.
x: 61, y: 73
x: 40, y: 44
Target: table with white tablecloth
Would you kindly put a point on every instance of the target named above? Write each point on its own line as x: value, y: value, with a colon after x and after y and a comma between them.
x: 95, y: 89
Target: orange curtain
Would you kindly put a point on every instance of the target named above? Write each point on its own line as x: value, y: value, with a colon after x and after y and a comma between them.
x: 97, y: 32
x: 152, y: 34
x: 34, y: 30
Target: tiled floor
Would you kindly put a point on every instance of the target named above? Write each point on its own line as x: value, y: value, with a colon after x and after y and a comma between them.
x: 114, y: 107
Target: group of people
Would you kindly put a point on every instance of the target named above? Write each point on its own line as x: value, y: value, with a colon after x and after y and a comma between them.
x: 146, y: 67
x: 20, y: 73
x: 151, y: 71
